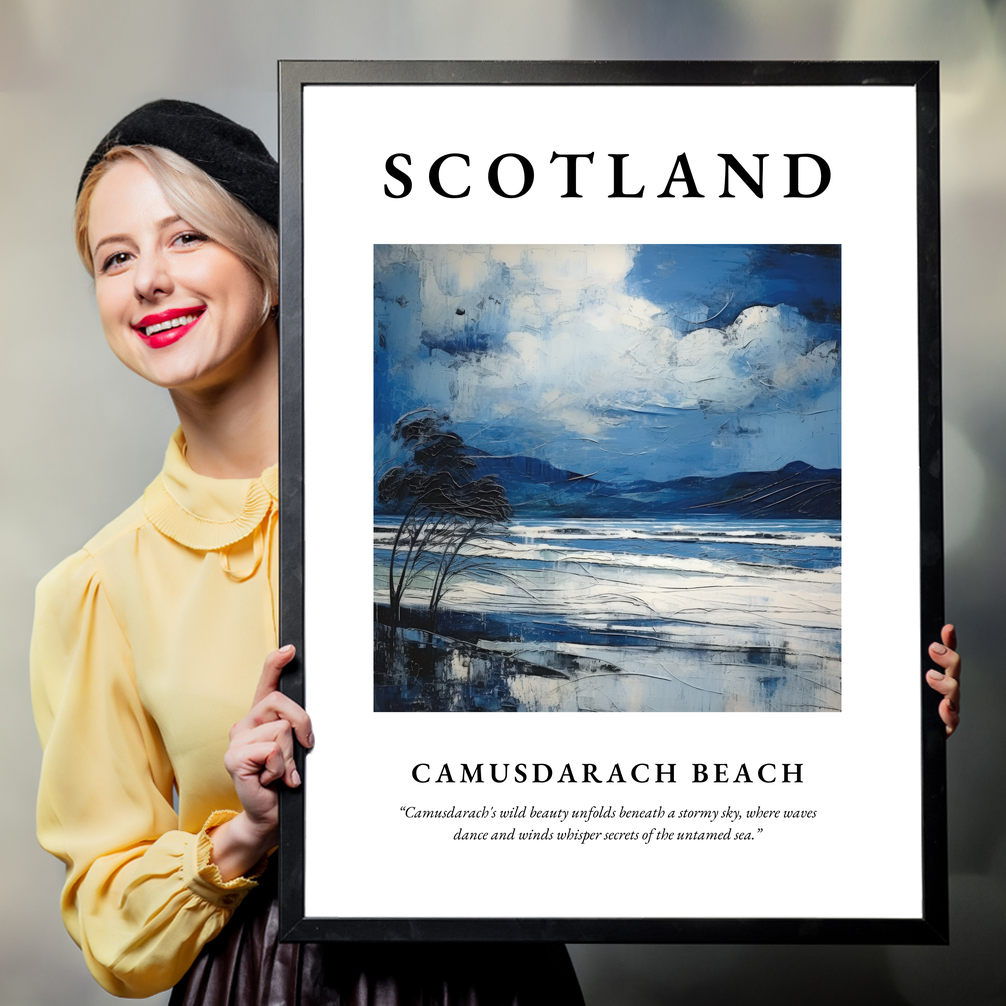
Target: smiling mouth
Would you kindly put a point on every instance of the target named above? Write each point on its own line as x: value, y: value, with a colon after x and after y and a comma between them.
x: 167, y: 321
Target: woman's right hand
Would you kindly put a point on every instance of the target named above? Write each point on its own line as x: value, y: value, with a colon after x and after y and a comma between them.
x: 948, y: 681
x: 259, y: 754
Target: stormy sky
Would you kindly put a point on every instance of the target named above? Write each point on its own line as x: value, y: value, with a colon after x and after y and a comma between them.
x: 620, y: 361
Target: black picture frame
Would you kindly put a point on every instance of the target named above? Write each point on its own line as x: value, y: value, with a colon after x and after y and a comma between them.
x: 931, y: 926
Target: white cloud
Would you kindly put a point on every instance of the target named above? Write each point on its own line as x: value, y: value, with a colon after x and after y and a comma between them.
x: 583, y: 351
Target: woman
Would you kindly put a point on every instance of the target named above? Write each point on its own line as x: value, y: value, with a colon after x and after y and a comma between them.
x: 149, y: 642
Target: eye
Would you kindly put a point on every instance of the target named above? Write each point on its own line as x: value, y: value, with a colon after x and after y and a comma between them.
x: 189, y: 239
x: 115, y: 261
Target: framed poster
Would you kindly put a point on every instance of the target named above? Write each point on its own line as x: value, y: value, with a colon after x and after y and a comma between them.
x: 611, y: 501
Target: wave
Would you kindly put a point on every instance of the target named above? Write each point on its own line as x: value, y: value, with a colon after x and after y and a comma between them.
x: 796, y: 533
x: 506, y: 551
x: 682, y: 533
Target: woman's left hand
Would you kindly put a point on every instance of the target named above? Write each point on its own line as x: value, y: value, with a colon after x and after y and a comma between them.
x: 948, y: 681
x: 260, y: 754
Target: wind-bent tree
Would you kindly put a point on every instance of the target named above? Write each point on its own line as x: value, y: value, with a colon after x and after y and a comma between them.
x: 445, y: 507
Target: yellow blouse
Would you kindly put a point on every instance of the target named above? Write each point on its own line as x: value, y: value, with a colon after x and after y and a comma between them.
x: 147, y: 647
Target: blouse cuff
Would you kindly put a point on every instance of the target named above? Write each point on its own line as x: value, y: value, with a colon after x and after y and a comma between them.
x: 202, y: 876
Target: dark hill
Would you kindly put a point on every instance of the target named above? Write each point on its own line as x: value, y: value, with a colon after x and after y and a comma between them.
x: 538, y: 489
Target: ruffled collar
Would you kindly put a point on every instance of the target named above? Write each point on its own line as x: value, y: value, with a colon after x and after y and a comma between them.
x: 203, y: 513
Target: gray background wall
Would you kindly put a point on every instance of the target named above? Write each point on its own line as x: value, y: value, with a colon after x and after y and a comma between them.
x: 82, y: 436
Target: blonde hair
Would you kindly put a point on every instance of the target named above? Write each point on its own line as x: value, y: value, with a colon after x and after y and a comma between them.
x: 199, y: 200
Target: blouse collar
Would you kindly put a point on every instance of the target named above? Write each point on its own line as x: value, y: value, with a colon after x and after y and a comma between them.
x: 204, y: 513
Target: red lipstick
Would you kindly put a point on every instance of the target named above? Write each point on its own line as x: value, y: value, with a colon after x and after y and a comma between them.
x: 166, y: 327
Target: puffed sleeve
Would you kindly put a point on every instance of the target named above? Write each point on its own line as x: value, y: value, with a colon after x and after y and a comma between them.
x: 141, y: 898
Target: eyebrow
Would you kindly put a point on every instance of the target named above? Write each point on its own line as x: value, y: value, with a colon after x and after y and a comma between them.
x: 111, y: 238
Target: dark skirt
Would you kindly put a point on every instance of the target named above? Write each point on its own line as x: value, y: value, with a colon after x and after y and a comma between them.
x: 246, y: 965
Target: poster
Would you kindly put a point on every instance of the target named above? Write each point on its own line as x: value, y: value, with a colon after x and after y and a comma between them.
x: 601, y: 385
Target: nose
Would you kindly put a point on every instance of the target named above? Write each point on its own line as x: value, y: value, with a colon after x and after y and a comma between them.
x: 152, y: 276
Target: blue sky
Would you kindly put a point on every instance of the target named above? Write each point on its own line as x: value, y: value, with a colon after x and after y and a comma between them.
x: 618, y: 361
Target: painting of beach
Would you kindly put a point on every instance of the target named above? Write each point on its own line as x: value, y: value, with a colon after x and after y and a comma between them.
x: 607, y: 478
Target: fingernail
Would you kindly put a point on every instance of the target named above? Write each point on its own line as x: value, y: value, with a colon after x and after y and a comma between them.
x: 287, y: 649
x: 936, y: 675
x: 295, y: 777
x: 310, y: 740
x: 938, y: 648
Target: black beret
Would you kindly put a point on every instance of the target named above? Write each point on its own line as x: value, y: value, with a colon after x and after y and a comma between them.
x: 230, y: 154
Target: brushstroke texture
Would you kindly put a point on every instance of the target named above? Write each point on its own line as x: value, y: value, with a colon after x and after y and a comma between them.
x: 607, y: 477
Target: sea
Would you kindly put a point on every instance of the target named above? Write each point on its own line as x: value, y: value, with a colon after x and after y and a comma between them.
x: 708, y: 614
